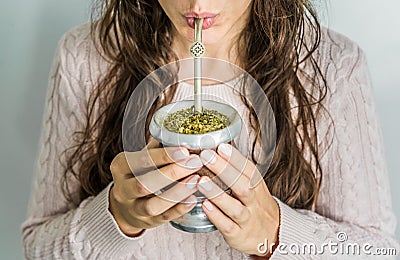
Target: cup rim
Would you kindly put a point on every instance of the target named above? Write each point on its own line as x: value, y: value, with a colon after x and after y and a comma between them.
x: 220, y: 135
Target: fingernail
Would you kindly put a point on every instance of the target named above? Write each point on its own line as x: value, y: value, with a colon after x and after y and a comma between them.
x: 192, y: 182
x: 206, y: 184
x: 180, y: 154
x: 208, y: 205
x: 190, y: 201
x: 195, y: 162
x: 225, y: 149
x: 208, y: 156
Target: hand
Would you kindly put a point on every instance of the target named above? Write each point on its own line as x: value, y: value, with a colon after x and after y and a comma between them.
x: 131, y: 201
x: 248, y: 217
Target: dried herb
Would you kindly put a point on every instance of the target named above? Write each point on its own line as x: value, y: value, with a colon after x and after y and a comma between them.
x: 186, y: 122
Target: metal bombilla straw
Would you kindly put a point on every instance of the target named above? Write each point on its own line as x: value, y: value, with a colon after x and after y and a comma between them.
x: 197, y: 50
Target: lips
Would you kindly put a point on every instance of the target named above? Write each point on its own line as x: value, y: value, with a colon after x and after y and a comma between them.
x: 209, y: 19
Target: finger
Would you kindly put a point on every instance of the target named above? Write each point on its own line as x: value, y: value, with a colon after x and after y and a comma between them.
x: 238, y: 182
x: 158, y: 179
x: 153, y: 158
x: 177, y: 210
x: 240, y: 162
x: 224, y: 224
x: 233, y: 208
x: 126, y: 163
x: 156, y: 205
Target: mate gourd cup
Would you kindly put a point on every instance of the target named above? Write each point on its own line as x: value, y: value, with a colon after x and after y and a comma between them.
x: 196, y: 220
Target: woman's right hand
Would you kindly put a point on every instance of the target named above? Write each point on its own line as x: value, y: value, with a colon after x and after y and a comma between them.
x: 131, y: 201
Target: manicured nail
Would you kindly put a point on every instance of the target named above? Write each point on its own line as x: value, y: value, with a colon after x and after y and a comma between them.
x: 208, y: 156
x: 180, y: 154
x: 208, y: 205
x: 206, y: 184
x: 192, y: 182
x: 190, y: 201
x: 225, y: 149
x: 195, y: 162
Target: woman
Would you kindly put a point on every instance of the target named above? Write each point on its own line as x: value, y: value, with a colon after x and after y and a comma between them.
x: 327, y: 181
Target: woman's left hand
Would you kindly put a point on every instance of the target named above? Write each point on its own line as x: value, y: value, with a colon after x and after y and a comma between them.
x: 251, y: 215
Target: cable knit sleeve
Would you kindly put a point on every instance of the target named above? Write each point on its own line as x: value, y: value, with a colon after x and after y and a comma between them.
x: 354, y: 203
x: 54, y: 228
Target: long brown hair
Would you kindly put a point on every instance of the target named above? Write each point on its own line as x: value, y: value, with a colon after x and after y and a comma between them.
x: 135, y: 36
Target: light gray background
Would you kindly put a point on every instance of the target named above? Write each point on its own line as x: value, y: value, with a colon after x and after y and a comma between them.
x: 30, y: 29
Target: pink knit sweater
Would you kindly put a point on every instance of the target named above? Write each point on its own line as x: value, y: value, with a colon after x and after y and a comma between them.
x: 354, y: 197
